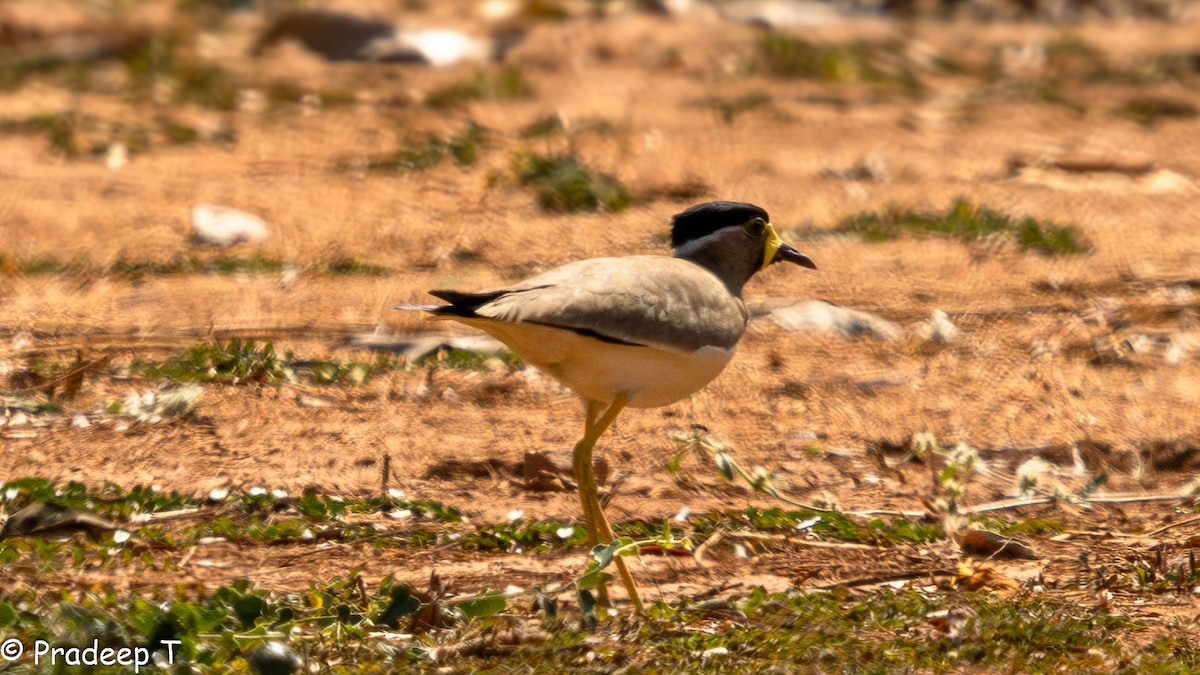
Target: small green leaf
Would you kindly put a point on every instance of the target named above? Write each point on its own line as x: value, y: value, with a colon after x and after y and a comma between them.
x: 1092, y: 485
x: 593, y: 577
x: 675, y: 463
x: 547, y: 605
x: 8, y: 614
x: 482, y: 606
x: 948, y: 472
x: 603, y: 553
x: 724, y: 465
x: 402, y: 604
x: 602, y: 556
x: 752, y: 603
x: 587, y: 607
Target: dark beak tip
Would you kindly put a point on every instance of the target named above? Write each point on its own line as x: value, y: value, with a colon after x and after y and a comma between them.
x: 795, y: 257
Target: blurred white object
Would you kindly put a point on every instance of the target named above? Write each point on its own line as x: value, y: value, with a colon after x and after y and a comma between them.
x: 821, y: 316
x: 938, y: 329
x: 770, y: 14
x: 338, y: 36
x: 499, y: 10
x: 775, y: 14
x: 117, y: 156
x: 445, y: 47
x: 435, y: 47
x: 223, y: 226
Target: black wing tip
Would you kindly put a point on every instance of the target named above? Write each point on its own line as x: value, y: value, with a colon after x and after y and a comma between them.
x: 452, y: 297
x: 463, y: 304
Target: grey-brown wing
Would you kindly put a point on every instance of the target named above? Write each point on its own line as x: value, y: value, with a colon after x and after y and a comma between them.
x: 663, y: 302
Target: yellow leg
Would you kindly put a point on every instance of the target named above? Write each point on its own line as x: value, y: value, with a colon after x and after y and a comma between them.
x: 599, y: 530
x: 592, y: 412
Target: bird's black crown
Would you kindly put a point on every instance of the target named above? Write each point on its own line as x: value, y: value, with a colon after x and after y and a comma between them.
x: 702, y: 220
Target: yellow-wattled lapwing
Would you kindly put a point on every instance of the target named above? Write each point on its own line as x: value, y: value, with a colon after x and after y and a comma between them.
x: 639, y: 331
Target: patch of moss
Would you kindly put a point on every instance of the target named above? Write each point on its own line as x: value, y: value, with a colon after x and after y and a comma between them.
x: 332, y: 97
x: 507, y: 85
x: 418, y: 152
x: 730, y: 108
x: 207, y: 85
x: 564, y: 184
x: 234, y: 361
x: 787, y: 56
x: 463, y: 359
x: 966, y: 221
x: 467, y: 145
x: 1150, y: 110
x: 59, y: 128
x: 543, y: 127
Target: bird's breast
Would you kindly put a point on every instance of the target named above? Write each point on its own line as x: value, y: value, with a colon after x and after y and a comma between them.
x: 650, y: 377
x: 600, y: 370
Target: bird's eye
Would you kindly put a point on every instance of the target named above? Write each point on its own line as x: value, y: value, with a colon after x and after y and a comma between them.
x: 756, y: 226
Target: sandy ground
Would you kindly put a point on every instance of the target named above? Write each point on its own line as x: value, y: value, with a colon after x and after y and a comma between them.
x: 1048, y: 354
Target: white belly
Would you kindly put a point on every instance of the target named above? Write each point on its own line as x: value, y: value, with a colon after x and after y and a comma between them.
x: 599, y: 370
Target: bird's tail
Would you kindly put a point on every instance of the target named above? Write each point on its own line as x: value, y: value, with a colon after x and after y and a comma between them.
x: 461, y: 304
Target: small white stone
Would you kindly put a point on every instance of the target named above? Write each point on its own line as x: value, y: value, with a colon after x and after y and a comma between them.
x: 117, y: 156
x: 223, y: 226
x: 289, y: 275
x: 80, y: 421
x: 938, y: 329
x: 805, y: 524
x: 514, y: 515
x: 1174, y: 353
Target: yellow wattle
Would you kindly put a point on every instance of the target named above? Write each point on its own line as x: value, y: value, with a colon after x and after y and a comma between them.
x: 772, y: 246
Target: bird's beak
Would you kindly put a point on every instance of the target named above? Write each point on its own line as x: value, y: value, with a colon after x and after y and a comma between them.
x: 776, y: 251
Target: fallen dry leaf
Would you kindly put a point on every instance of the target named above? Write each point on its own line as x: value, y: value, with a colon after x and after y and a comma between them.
x: 983, y: 577
x: 991, y: 545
